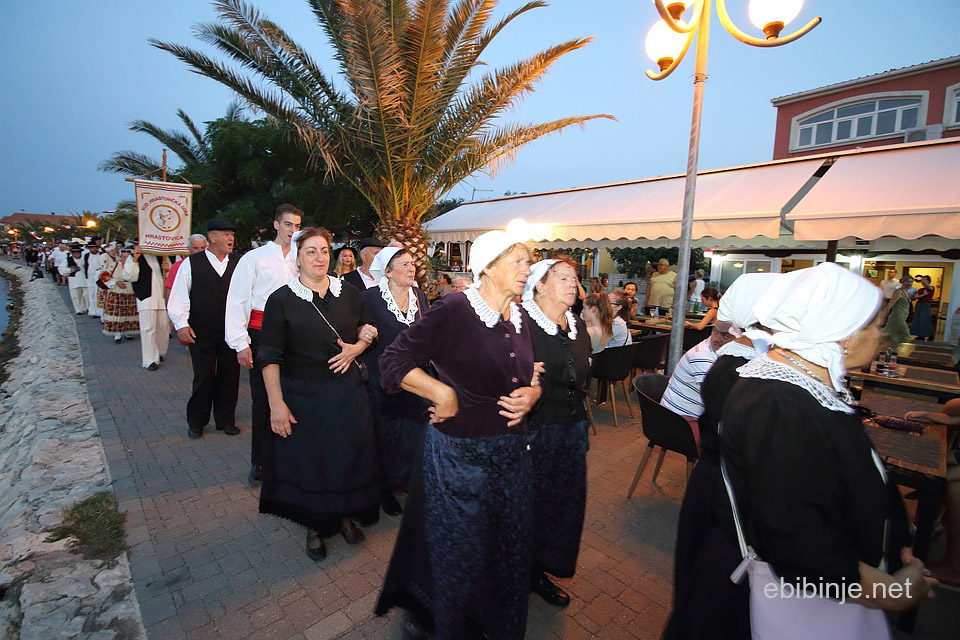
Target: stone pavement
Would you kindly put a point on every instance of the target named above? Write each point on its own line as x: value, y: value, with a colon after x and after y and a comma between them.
x: 207, y: 565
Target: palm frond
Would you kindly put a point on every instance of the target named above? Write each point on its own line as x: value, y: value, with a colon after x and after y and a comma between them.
x: 129, y: 163
x: 176, y: 141
x: 199, y: 146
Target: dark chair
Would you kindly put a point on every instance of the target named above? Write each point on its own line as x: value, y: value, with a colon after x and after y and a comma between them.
x: 612, y: 366
x: 693, y: 337
x: 662, y: 427
x: 651, y: 352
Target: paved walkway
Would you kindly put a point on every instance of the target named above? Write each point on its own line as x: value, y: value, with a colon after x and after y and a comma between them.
x: 207, y: 565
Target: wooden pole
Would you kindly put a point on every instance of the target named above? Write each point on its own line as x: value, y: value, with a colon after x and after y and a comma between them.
x: 832, y: 250
x: 164, y: 165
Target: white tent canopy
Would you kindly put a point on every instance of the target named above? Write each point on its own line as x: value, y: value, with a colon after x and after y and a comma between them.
x: 647, y: 209
x: 904, y: 192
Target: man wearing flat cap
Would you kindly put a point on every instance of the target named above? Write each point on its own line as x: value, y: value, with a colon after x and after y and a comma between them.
x: 197, y: 308
x: 361, y: 278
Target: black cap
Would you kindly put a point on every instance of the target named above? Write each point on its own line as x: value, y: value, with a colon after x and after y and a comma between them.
x: 218, y: 224
x: 336, y: 254
x: 371, y: 242
x: 76, y: 247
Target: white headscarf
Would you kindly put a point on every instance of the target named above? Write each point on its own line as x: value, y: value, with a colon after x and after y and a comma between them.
x: 378, y: 266
x: 811, y: 310
x: 537, y: 271
x: 736, y: 305
x: 293, y: 246
x: 486, y: 248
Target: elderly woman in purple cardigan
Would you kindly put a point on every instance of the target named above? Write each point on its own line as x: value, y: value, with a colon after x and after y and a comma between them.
x: 461, y: 565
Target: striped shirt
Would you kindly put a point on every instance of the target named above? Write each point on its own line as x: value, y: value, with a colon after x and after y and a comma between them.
x: 682, y: 395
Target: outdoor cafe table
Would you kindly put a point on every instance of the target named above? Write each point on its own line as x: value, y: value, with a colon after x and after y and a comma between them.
x: 914, y: 460
x: 926, y: 355
x: 941, y: 384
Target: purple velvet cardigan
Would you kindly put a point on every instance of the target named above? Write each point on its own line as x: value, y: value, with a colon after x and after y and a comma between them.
x: 480, y: 363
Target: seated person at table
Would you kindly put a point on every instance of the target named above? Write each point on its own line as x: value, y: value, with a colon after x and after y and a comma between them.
x: 682, y: 395
x: 620, y: 304
x: 947, y: 570
x: 631, y: 290
x: 711, y: 302
x: 598, y: 316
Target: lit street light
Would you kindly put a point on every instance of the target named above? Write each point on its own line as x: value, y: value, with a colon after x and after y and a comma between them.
x: 666, y: 43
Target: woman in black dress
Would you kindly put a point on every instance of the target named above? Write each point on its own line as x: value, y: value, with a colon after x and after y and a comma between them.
x: 400, y: 418
x: 558, y: 426
x: 320, y: 465
x: 461, y: 564
x: 701, y: 544
x: 811, y: 492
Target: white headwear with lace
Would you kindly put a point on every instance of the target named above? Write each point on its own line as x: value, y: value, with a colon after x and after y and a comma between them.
x: 537, y: 272
x: 378, y: 266
x: 809, y: 311
x: 736, y: 305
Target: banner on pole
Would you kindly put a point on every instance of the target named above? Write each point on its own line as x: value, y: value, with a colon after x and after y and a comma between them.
x: 164, y: 211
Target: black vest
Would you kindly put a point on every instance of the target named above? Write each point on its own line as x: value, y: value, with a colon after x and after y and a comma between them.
x: 143, y: 287
x: 208, y: 295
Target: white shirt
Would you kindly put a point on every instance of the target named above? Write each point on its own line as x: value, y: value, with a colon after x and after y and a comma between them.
x: 697, y: 289
x: 368, y: 281
x: 682, y: 395
x: 131, y: 273
x: 60, y: 258
x: 95, y: 264
x: 889, y: 286
x: 621, y: 334
x: 258, y: 274
x: 178, y: 305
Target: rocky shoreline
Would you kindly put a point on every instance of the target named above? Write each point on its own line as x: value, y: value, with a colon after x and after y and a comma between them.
x: 51, y: 457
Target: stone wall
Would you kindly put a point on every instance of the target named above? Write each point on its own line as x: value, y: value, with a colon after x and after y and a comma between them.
x: 51, y: 456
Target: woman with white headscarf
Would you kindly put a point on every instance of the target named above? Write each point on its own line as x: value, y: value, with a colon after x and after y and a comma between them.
x: 700, y: 599
x: 810, y: 491
x: 399, y: 419
x: 558, y: 425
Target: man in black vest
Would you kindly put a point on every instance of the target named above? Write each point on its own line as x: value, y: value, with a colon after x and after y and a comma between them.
x: 197, y: 307
x: 361, y: 278
x: 146, y: 273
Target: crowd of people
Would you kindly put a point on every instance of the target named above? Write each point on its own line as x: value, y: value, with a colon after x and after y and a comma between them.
x: 363, y: 394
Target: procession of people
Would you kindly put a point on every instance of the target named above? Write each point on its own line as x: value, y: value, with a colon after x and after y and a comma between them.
x: 467, y: 417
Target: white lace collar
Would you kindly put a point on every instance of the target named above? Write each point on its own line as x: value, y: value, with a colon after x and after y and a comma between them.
x: 489, y: 316
x: 738, y: 349
x: 763, y: 367
x: 392, y: 306
x: 550, y: 327
x: 304, y: 292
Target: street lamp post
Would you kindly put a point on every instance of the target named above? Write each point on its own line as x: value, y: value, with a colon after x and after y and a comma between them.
x: 667, y: 42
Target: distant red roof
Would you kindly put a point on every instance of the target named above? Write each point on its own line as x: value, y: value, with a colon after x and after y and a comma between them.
x: 20, y: 217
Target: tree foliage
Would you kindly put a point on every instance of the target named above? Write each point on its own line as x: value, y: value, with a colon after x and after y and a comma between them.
x: 408, y: 125
x: 633, y: 261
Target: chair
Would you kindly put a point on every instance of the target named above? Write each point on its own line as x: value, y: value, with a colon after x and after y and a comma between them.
x: 662, y: 427
x: 693, y: 337
x: 612, y: 366
x: 651, y: 352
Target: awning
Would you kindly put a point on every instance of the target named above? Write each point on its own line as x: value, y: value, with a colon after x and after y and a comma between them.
x: 745, y: 202
x: 906, y: 192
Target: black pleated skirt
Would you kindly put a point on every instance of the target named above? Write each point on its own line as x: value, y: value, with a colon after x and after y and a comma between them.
x: 461, y: 564
x: 560, y: 494
x: 327, y: 468
x: 399, y: 422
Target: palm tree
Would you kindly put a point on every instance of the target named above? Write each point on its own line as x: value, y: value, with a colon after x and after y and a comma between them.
x: 190, y: 147
x: 409, y: 126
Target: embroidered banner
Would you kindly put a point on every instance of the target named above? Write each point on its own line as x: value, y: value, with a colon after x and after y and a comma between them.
x: 164, y: 211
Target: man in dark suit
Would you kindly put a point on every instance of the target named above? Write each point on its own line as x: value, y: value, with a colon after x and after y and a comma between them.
x: 197, y: 307
x: 361, y: 278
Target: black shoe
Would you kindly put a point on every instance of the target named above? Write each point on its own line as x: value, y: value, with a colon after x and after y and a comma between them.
x: 118, y: 339
x: 316, y: 549
x: 193, y: 434
x: 352, y: 533
x: 546, y: 589
x: 390, y: 505
x: 153, y: 366
x: 229, y: 431
x: 255, y: 475
x: 161, y: 358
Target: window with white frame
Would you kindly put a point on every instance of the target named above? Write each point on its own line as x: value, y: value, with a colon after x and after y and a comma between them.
x: 951, y: 106
x: 860, y: 120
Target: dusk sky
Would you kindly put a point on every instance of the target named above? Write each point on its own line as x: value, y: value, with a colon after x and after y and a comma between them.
x: 76, y: 73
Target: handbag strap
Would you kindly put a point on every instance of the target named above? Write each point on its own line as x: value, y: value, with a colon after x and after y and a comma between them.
x: 336, y: 333
x: 738, y: 525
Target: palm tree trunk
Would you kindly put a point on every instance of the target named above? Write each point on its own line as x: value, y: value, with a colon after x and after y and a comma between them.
x: 409, y: 233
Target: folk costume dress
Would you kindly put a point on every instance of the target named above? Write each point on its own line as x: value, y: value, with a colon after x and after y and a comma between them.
x: 120, y: 315
x: 327, y: 468
x: 559, y: 441
x: 896, y: 328
x: 922, y: 325
x: 399, y: 419
x: 461, y: 564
